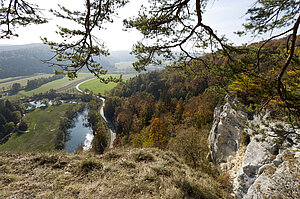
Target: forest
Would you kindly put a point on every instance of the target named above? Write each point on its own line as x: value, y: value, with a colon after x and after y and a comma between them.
x: 10, y: 117
x: 182, y: 113
x: 24, y: 62
x: 172, y: 110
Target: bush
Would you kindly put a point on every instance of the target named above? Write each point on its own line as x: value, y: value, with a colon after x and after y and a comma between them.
x: 100, y: 142
x: 23, y: 126
x: 90, y: 165
x: 245, y: 138
x: 225, y: 180
x: 142, y: 156
x: 191, y: 145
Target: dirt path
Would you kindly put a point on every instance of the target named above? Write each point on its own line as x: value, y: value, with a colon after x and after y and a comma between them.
x: 110, y: 126
x: 77, y: 86
x: 73, y: 83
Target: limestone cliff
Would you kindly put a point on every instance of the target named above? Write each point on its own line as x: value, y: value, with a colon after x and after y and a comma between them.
x: 260, y: 169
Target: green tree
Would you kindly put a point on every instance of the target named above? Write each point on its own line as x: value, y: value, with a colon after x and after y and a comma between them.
x: 45, y: 101
x: 100, y: 140
x: 9, y: 127
x: 80, y: 47
x: 16, y: 116
x: 16, y: 87
x: 2, y: 120
x: 23, y: 126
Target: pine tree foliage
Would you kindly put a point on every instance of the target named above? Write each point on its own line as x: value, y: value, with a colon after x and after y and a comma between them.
x: 14, y: 13
x: 80, y: 47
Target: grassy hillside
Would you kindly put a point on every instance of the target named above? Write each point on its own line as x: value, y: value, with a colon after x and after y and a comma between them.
x: 97, y: 87
x: 11, y: 79
x: 43, y: 127
x: 135, y: 173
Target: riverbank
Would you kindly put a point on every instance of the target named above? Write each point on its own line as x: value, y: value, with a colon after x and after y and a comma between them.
x: 42, y: 132
x: 80, y: 134
x: 112, y: 133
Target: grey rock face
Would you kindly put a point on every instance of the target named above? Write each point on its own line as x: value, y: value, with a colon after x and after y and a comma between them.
x: 262, y: 165
x: 224, y: 137
x: 281, y: 180
x: 256, y: 155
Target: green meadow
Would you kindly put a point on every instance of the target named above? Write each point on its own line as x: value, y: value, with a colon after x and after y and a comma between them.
x: 43, y: 126
x: 97, y: 87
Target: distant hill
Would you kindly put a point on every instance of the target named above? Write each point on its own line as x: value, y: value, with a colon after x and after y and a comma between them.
x: 18, y: 47
x: 23, y: 60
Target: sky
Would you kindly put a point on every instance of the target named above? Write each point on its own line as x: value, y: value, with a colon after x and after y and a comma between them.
x: 223, y: 16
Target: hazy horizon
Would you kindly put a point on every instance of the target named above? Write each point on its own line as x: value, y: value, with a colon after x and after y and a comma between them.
x: 224, y: 18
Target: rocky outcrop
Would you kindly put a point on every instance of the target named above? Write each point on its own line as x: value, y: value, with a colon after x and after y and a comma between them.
x: 279, y: 178
x: 256, y: 169
x: 224, y: 137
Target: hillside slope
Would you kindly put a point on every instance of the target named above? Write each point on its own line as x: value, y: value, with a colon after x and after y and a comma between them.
x: 23, y: 60
x: 132, y: 173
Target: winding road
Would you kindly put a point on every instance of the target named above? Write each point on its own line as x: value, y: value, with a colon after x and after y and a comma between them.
x: 109, y: 124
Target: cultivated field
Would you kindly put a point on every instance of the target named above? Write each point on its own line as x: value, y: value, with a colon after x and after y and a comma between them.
x: 12, y: 79
x: 8, y: 82
x: 71, y: 84
x: 61, y: 85
x: 97, y: 87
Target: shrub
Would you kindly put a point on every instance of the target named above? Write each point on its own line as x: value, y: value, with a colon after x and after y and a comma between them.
x: 90, y: 165
x: 225, y: 180
x: 99, y: 142
x: 142, y: 156
x: 191, y: 145
x: 23, y: 126
x: 245, y: 138
x: 112, y: 155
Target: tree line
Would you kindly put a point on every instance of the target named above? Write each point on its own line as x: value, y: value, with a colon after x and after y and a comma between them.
x: 35, y: 83
x: 11, y: 113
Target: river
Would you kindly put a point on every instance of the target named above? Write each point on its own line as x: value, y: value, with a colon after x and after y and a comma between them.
x: 109, y: 124
x: 79, y: 134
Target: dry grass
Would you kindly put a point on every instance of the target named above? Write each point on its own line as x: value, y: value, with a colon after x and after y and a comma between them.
x: 136, y: 173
